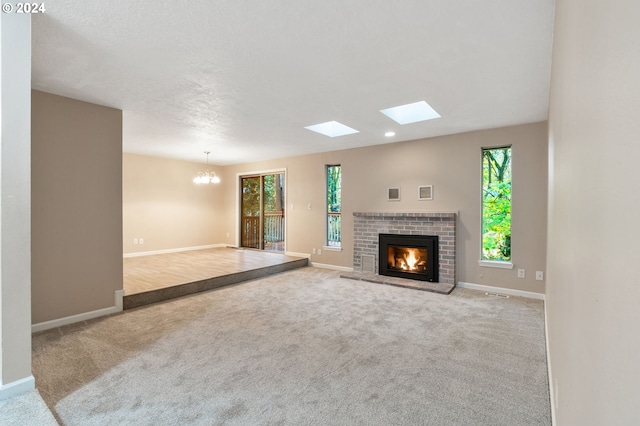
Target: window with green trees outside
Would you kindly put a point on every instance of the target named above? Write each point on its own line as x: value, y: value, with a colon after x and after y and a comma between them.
x: 334, y: 205
x: 496, y: 204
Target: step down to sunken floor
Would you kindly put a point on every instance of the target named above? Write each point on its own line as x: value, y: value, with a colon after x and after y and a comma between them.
x: 167, y: 293
x: 441, y: 288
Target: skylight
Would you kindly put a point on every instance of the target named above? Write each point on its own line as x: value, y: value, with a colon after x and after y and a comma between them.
x: 411, y: 113
x: 332, y: 129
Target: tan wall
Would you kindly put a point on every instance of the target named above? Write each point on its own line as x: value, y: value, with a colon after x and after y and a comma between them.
x: 451, y: 163
x: 162, y: 205
x: 76, y: 206
x: 593, y: 286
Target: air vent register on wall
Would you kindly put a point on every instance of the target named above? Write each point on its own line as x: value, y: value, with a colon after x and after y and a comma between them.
x: 425, y: 192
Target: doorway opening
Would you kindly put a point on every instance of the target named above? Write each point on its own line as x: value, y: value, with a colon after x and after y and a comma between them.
x: 262, y: 220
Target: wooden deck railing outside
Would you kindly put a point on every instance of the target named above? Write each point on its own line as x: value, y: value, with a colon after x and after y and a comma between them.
x: 334, y: 229
x: 273, y: 229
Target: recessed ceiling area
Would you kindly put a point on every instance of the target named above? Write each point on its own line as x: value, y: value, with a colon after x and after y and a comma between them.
x: 244, y: 79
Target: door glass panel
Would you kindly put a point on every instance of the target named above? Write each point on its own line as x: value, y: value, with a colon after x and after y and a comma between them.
x: 262, y: 212
x: 273, y: 207
x: 250, y: 223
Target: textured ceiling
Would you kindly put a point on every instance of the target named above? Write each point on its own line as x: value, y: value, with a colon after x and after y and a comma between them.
x: 243, y: 78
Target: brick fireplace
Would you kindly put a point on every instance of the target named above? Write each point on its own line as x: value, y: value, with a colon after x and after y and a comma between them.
x: 367, y: 227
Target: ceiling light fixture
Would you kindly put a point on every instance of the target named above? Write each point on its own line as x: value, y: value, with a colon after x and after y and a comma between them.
x: 411, y: 113
x: 206, y: 177
x: 389, y: 134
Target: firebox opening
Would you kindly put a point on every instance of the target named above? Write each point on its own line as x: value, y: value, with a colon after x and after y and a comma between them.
x: 408, y: 259
x: 409, y: 256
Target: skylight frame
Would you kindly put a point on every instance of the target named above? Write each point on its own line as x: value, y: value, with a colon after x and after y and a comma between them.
x: 332, y: 129
x: 411, y: 113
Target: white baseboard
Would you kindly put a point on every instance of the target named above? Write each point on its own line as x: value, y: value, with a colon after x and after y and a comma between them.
x: 319, y: 265
x: 47, y: 325
x: 552, y: 390
x: 173, y: 250
x: 294, y: 254
x: 17, y: 388
x: 500, y: 290
x: 334, y: 267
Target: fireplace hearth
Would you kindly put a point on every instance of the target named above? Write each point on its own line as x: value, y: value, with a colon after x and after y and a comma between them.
x: 409, y: 256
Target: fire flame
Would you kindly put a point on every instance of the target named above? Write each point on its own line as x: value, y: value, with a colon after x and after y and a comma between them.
x: 411, y: 258
x: 407, y: 259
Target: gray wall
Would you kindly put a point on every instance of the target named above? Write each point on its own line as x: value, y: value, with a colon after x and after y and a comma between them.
x: 15, y: 289
x: 77, y: 206
x: 593, y: 287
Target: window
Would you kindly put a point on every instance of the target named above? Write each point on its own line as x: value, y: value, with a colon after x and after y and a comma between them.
x: 496, y: 204
x: 334, y: 205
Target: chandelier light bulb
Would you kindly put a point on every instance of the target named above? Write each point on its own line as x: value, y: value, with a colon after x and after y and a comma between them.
x: 206, y: 177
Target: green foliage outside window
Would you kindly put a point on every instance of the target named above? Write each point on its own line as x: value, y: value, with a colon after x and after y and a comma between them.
x: 334, y: 193
x: 251, y: 196
x: 496, y: 204
x: 272, y: 194
x: 334, y: 205
x: 273, y: 198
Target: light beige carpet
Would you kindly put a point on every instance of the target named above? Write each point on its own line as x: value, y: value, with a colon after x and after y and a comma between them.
x: 26, y: 410
x: 302, y: 347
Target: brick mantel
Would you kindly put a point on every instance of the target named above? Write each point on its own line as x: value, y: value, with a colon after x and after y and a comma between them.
x: 367, y: 226
x: 440, y: 215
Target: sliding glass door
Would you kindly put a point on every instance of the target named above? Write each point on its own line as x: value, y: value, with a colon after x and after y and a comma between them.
x: 262, y: 212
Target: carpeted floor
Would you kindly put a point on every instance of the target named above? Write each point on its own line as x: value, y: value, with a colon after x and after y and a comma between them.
x: 26, y: 410
x: 302, y: 347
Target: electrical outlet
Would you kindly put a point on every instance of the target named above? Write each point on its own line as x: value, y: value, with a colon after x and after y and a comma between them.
x: 141, y: 240
x: 313, y: 251
x: 521, y: 273
x: 135, y: 241
x: 319, y: 251
x: 227, y: 235
x: 539, y: 275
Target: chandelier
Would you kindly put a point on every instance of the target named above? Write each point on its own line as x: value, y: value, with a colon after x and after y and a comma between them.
x: 206, y: 177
